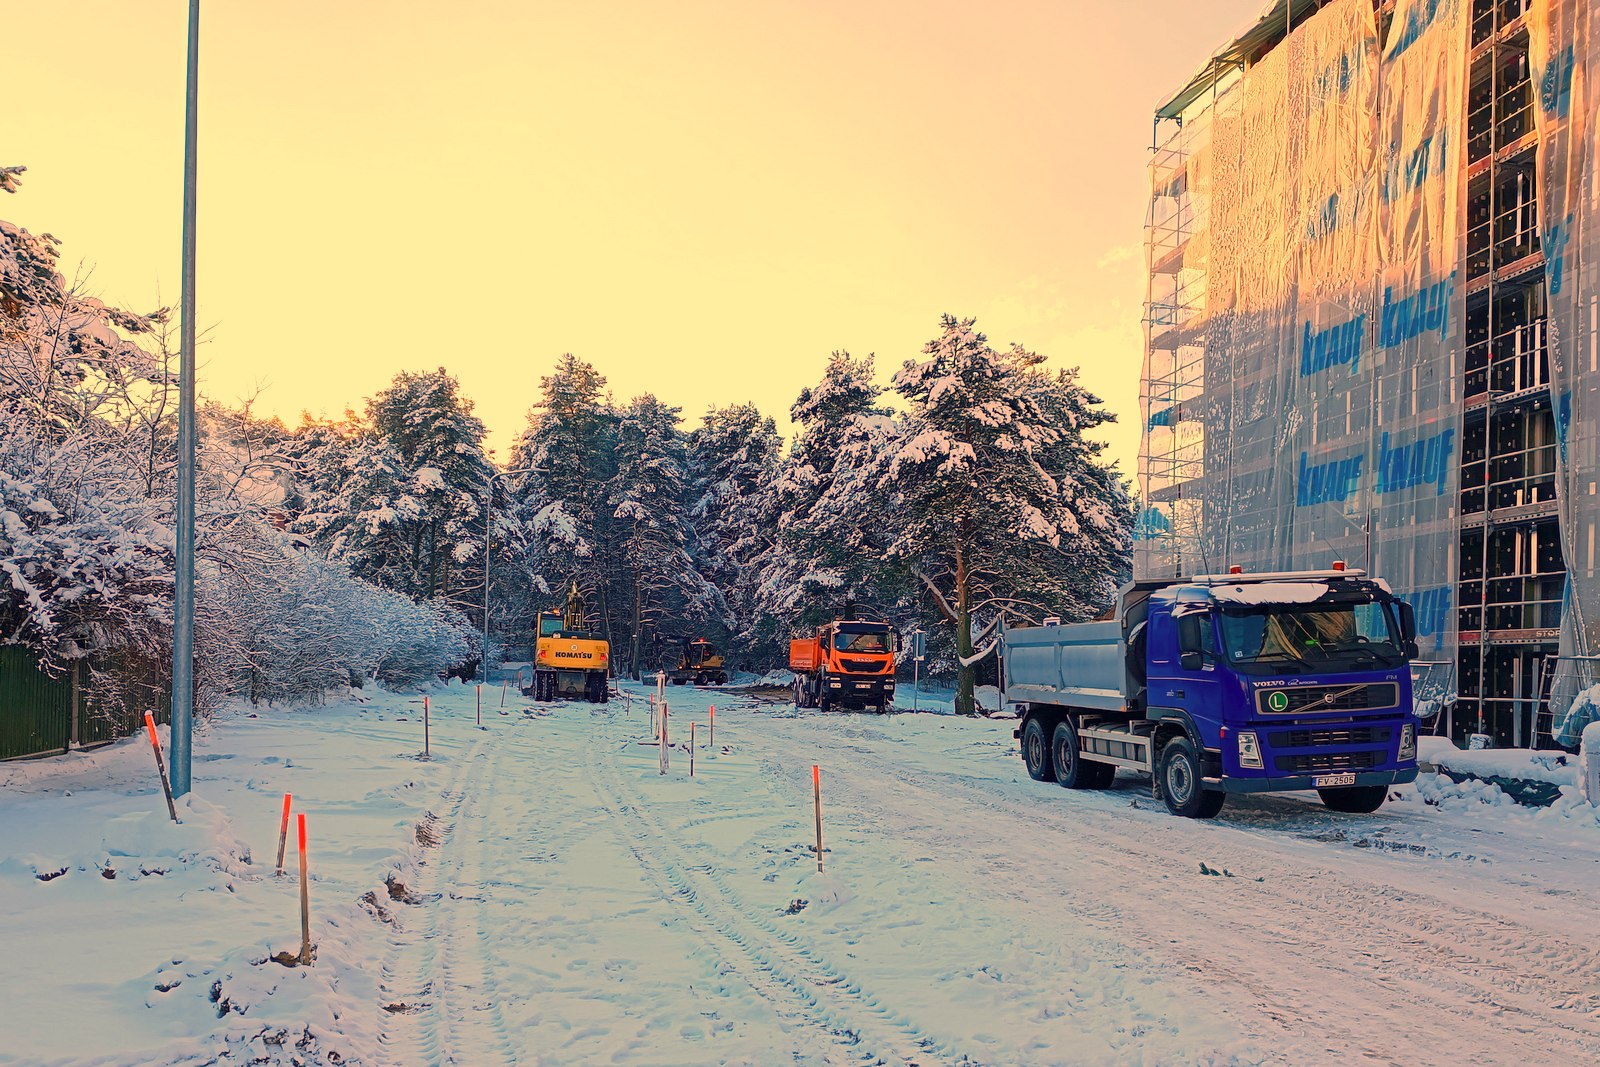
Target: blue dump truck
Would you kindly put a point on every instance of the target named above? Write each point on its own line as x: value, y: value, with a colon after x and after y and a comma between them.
x: 1223, y: 684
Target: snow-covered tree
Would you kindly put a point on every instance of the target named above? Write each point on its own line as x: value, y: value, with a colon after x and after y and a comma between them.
x: 400, y: 502
x: 820, y: 508
x: 734, y: 456
x: 993, y: 500
x: 564, y: 506
x: 655, y: 574
x: 87, y: 454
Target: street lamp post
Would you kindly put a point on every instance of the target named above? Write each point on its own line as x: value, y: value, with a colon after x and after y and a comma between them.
x: 179, y: 756
x: 488, y: 534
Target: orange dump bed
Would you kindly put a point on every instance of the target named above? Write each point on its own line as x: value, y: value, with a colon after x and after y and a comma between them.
x: 805, y: 654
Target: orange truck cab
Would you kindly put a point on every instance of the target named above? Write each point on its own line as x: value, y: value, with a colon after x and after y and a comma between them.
x: 847, y: 663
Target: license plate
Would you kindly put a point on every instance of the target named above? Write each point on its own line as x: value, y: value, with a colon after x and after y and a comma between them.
x: 1333, y: 781
x: 863, y: 685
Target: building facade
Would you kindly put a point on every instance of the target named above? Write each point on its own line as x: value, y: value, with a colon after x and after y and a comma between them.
x: 1371, y: 332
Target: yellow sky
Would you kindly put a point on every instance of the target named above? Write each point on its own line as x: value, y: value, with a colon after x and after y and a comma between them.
x: 701, y: 199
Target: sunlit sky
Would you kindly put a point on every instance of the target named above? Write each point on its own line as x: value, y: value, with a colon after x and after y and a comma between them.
x: 701, y: 199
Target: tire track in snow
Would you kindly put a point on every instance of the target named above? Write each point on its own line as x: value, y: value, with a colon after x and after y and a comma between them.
x: 468, y: 969
x: 409, y: 973
x: 778, y: 967
x: 1536, y: 990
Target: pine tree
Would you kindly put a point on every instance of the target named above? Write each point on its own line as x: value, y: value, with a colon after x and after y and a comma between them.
x: 734, y: 456
x: 400, y: 502
x: 823, y: 559
x: 648, y: 496
x: 570, y: 443
x: 993, y: 499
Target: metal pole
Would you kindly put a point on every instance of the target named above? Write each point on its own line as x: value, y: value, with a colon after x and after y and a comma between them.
x: 183, y: 599
x: 488, y: 531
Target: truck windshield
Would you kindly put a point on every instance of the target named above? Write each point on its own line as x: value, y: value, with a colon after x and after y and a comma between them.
x: 1280, y: 639
x: 878, y: 642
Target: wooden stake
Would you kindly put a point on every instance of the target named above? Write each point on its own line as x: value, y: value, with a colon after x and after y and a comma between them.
x: 426, y: 742
x: 691, y: 748
x: 305, y: 897
x: 663, y: 737
x: 504, y: 685
x: 283, y: 831
x: 161, y: 767
x: 479, y: 688
x: 816, y: 792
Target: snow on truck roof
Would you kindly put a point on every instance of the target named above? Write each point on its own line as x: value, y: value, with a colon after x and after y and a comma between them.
x: 1283, y: 587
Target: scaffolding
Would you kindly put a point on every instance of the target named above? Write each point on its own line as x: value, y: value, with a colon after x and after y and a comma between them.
x: 1513, y: 574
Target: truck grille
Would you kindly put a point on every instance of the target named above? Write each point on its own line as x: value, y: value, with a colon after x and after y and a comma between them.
x: 1313, y: 698
x: 1341, y: 736
x: 1318, y: 762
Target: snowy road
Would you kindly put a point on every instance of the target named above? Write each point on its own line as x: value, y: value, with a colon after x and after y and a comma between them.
x: 581, y: 908
x: 552, y: 898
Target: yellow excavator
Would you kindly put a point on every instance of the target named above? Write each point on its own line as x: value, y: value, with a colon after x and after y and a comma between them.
x: 697, y: 661
x: 567, y: 660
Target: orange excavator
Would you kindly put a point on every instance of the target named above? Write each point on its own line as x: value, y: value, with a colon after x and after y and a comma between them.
x: 847, y: 663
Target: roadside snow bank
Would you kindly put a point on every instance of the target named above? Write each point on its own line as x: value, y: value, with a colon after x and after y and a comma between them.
x: 163, y: 934
x: 1550, y: 767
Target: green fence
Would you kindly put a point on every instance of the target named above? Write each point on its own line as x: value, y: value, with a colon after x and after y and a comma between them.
x: 42, y: 715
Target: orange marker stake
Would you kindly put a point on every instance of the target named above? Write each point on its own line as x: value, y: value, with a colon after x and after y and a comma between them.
x: 283, y: 831
x: 713, y: 744
x: 305, y: 898
x: 161, y: 767
x: 816, y: 792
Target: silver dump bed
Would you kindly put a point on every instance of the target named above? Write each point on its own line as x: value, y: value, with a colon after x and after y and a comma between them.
x: 1080, y: 665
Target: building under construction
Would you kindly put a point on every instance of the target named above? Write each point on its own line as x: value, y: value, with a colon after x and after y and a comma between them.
x: 1371, y: 332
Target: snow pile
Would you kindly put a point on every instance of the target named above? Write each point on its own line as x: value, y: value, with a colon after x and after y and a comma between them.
x: 1553, y: 768
x: 775, y: 679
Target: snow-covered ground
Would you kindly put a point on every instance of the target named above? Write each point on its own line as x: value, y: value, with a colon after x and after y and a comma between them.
x: 539, y: 893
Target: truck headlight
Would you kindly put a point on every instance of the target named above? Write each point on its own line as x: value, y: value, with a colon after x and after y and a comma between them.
x: 1249, y: 750
x: 1408, y: 741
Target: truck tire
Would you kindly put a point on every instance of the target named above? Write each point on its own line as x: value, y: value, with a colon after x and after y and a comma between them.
x: 1036, y: 752
x: 1072, y: 770
x: 1356, y: 799
x: 799, y: 693
x: 1178, y: 777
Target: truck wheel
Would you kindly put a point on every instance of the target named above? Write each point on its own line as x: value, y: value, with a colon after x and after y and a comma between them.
x: 1179, y: 777
x: 1064, y: 756
x: 1036, y: 751
x: 1355, y: 800
x: 1072, y: 770
x: 799, y: 694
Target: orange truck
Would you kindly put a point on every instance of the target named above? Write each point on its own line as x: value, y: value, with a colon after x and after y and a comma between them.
x: 847, y: 663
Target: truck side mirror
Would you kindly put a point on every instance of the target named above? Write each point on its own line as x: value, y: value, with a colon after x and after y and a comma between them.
x: 1408, y: 622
